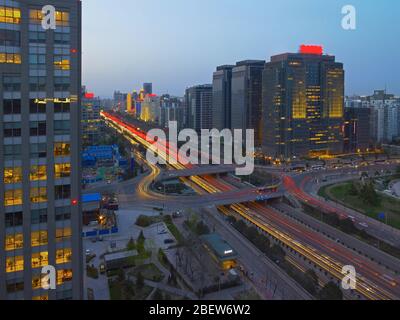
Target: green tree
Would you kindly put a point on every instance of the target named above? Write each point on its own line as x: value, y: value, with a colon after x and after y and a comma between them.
x: 330, y: 292
x: 202, y: 228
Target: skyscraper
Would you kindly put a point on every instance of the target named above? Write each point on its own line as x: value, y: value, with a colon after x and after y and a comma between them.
x: 148, y: 88
x: 246, y: 99
x: 222, y: 95
x: 357, y: 129
x: 303, y: 104
x: 198, y: 102
x: 40, y: 210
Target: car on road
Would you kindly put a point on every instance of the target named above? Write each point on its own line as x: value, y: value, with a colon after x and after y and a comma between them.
x: 363, y: 224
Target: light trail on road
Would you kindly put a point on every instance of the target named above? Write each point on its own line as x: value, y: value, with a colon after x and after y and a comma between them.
x: 285, y: 230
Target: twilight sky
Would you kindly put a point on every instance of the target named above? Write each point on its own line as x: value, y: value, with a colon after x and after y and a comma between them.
x: 178, y: 43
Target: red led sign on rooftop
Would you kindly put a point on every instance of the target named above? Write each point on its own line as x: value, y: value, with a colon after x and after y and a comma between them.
x: 305, y: 49
x: 89, y: 95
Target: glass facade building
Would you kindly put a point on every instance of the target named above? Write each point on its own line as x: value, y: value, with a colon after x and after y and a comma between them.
x: 303, y: 106
x: 246, y: 98
x: 40, y: 212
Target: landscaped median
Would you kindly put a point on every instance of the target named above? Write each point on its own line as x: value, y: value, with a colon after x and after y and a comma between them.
x: 365, y: 200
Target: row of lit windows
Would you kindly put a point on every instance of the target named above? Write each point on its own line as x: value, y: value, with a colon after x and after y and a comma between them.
x: 37, y: 195
x: 11, y: 58
x: 62, y: 277
x: 62, y: 18
x: 38, y: 238
x: 10, y: 15
x: 38, y: 260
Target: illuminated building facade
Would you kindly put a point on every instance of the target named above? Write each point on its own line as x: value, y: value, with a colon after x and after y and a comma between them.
x: 40, y: 192
x: 303, y: 104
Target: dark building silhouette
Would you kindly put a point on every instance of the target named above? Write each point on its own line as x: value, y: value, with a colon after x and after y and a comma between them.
x: 222, y: 95
x: 357, y: 129
x: 147, y: 88
x: 198, y: 107
x: 246, y: 103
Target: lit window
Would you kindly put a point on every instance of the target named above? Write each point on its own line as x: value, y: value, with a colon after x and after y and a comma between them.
x: 12, y: 175
x: 38, y: 195
x: 13, y: 197
x: 14, y: 264
x: 62, y: 18
x: 40, y: 259
x: 63, y: 256
x: 63, y: 234
x: 62, y: 170
x: 10, y: 58
x: 10, y: 15
x: 38, y: 173
x: 64, y: 276
x: 39, y: 238
x: 14, y: 242
x: 62, y: 149
x: 41, y: 298
x: 61, y: 63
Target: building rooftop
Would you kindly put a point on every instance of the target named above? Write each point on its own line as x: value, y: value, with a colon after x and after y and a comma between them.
x: 91, y: 197
x: 120, y: 255
x: 220, y: 247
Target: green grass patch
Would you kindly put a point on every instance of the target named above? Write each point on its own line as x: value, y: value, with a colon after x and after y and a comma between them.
x: 342, y: 193
x: 173, y: 229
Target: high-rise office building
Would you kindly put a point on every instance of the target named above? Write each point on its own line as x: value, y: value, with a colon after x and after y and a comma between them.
x: 303, y: 104
x: 222, y: 95
x: 246, y: 99
x: 91, y: 120
x: 357, y: 129
x: 147, y: 88
x: 120, y: 100
x: 40, y: 192
x: 198, y: 107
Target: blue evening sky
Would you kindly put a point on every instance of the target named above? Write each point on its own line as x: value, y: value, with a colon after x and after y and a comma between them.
x: 178, y: 43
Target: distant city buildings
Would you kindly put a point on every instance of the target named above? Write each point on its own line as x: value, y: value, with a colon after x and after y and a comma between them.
x: 384, y: 115
x: 91, y: 120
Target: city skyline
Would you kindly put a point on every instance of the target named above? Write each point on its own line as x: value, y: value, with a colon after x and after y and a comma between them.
x: 152, y: 52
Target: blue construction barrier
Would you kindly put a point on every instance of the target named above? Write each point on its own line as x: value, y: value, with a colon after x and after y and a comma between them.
x: 103, y: 232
